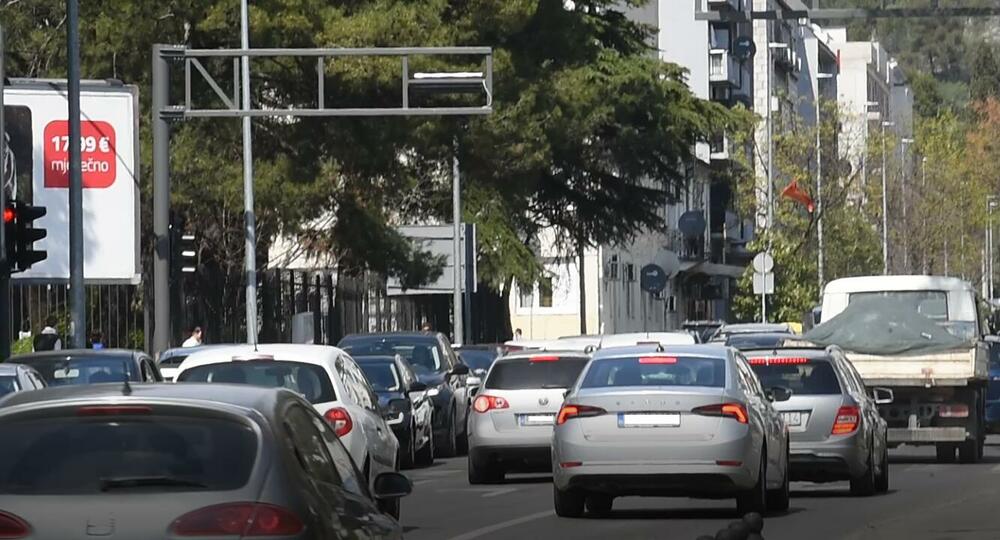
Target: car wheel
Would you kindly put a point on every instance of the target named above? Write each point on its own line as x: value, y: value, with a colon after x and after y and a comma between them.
x: 755, y: 498
x: 778, y: 499
x: 484, y: 473
x: 599, y: 505
x: 407, y: 456
x: 882, y: 480
x: 568, y: 503
x: 425, y: 456
x: 945, y: 453
x: 447, y: 447
x: 864, y: 485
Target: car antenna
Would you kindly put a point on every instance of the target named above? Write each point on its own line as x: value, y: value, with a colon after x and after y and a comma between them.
x: 127, y: 388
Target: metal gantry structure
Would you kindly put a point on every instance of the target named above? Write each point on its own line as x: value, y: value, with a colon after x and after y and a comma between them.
x: 164, y: 113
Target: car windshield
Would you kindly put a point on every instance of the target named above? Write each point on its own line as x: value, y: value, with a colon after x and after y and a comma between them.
x: 77, y: 455
x: 62, y: 371
x: 656, y: 371
x: 382, y: 376
x: 420, y: 351
x: 755, y: 341
x: 9, y: 385
x: 805, y: 377
x: 479, y: 359
x: 310, y: 380
x: 536, y: 372
x: 172, y: 361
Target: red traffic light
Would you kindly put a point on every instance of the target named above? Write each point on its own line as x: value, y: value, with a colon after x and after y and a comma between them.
x: 8, y: 215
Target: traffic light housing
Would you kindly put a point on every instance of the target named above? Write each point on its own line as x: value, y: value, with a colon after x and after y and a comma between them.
x: 20, y: 234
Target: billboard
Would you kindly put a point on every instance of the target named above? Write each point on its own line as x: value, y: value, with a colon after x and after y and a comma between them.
x: 37, y: 173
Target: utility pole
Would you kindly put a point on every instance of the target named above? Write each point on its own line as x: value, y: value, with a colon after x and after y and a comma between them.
x: 456, y: 218
x: 250, y: 221
x: 5, y: 263
x: 819, y: 183
x: 77, y: 298
x: 923, y: 225
x: 885, y: 207
x: 906, y: 201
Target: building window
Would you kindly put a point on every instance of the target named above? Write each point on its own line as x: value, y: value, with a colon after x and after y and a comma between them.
x: 526, y: 297
x: 545, y: 292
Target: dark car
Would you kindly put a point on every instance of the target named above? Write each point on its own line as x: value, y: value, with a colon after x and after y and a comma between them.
x: 184, y: 460
x: 758, y: 341
x: 480, y: 357
x: 90, y: 366
x: 436, y: 365
x: 703, y: 330
x: 993, y: 388
x: 407, y: 408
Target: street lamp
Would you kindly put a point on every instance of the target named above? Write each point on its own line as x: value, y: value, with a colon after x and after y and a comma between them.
x: 819, y: 182
x: 770, y: 131
x: 885, y: 206
x: 903, y: 172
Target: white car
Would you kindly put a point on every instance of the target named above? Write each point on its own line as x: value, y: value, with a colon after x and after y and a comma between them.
x: 326, y: 376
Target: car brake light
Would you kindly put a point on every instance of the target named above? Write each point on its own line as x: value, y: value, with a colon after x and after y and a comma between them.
x: 958, y: 410
x: 778, y: 361
x: 847, y: 420
x: 657, y: 360
x: 113, y: 410
x: 736, y: 411
x: 238, y: 519
x: 577, y: 411
x: 543, y: 358
x: 340, y: 420
x: 486, y: 403
x: 12, y: 527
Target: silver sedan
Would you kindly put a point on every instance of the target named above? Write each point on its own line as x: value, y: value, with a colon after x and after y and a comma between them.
x: 688, y: 421
x: 836, y: 431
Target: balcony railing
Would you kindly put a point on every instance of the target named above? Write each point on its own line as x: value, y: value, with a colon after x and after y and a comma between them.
x: 723, y: 67
x: 724, y: 4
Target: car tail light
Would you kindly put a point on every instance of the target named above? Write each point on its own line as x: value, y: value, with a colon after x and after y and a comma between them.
x: 736, y: 411
x: 238, y: 519
x: 485, y: 403
x: 113, y: 410
x: 577, y: 411
x: 657, y: 360
x: 12, y: 527
x: 778, y: 361
x: 543, y: 358
x: 957, y: 410
x: 847, y: 420
x: 340, y: 420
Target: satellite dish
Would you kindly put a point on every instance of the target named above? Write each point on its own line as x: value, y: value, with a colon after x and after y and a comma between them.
x: 692, y: 223
x: 744, y: 48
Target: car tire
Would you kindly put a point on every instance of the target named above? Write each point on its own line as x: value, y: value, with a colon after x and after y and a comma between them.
x: 568, y: 503
x: 448, y: 448
x: 482, y: 473
x: 599, y: 505
x: 945, y: 453
x: 755, y: 498
x: 408, y: 455
x: 425, y: 456
x: 864, y: 485
x: 882, y: 479
x: 778, y: 499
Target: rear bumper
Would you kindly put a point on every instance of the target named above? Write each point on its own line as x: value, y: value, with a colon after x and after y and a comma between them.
x: 656, y: 483
x: 837, y: 458
x: 927, y: 435
x: 514, y: 458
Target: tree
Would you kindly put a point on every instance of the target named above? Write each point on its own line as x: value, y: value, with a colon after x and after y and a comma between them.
x: 985, y: 73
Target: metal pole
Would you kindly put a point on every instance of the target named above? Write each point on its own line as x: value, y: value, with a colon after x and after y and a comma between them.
x: 456, y: 217
x: 770, y: 138
x: 77, y: 299
x: 250, y: 223
x: 906, y: 232
x: 763, y: 304
x: 470, y: 263
x: 923, y: 226
x: 819, y: 193
x: 161, y: 203
x: 885, y: 212
x: 5, y: 333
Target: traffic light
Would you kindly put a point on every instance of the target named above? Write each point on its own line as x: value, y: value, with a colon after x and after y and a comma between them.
x: 21, y: 235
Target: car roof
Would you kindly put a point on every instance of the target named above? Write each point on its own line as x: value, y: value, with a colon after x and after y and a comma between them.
x: 176, y: 351
x: 782, y: 352
x: 715, y: 351
x: 76, y: 353
x: 896, y: 283
x: 307, y: 354
x: 240, y: 395
x: 376, y: 335
x: 763, y: 335
x: 758, y: 328
x: 521, y: 355
x: 378, y: 359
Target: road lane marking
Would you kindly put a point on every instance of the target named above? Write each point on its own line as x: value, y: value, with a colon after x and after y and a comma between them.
x: 486, y: 492
x: 483, y: 531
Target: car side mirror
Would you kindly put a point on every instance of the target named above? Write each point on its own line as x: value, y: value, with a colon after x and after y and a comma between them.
x: 883, y: 396
x: 417, y: 386
x: 779, y: 393
x: 473, y: 381
x: 391, y: 485
x: 460, y: 369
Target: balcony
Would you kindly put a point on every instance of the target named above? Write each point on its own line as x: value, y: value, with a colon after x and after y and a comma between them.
x: 725, y: 4
x: 723, y: 67
x: 718, y: 148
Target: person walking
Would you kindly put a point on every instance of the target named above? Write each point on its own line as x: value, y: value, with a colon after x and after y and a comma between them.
x: 194, y: 339
x: 48, y: 339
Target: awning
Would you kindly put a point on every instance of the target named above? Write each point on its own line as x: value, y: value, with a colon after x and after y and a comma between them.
x: 712, y: 269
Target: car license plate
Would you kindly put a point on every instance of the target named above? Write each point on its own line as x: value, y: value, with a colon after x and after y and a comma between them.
x: 645, y: 420
x: 537, y: 419
x: 792, y: 419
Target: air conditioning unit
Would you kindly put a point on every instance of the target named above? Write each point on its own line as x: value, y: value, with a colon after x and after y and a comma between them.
x: 611, y: 271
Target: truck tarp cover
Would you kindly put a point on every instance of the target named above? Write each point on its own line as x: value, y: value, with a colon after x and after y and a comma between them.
x: 884, y: 326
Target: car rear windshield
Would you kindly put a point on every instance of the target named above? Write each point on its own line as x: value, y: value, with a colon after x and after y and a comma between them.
x: 310, y: 380
x: 479, y: 359
x: 62, y: 371
x: 172, y: 361
x: 420, y: 351
x: 753, y: 341
x: 78, y: 455
x: 382, y: 376
x: 9, y: 385
x: 656, y: 371
x: 804, y: 376
x: 535, y: 372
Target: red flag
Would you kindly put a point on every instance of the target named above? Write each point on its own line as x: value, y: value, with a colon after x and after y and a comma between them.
x: 796, y: 193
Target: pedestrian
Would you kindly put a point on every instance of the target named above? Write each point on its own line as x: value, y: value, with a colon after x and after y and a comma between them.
x: 426, y: 327
x: 97, y: 340
x: 48, y: 338
x: 194, y: 339
x: 517, y: 335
